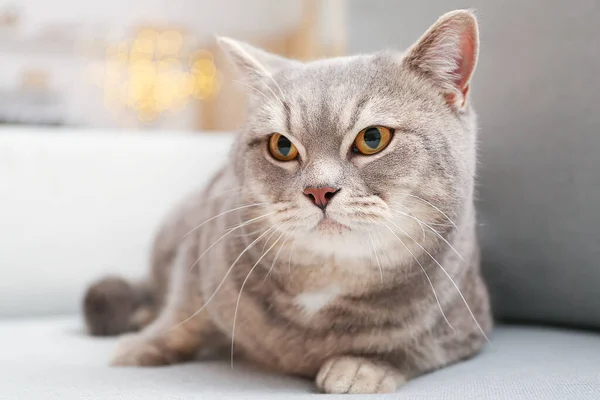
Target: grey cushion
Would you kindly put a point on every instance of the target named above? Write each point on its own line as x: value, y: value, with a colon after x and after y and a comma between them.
x: 50, y: 358
x: 536, y: 92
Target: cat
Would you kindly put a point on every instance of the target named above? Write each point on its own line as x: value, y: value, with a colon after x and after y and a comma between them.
x: 338, y: 243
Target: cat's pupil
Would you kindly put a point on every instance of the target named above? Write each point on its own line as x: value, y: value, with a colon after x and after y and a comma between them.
x: 372, y: 137
x: 284, y: 145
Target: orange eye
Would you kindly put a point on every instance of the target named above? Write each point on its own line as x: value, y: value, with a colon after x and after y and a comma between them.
x: 282, y: 148
x: 372, y: 140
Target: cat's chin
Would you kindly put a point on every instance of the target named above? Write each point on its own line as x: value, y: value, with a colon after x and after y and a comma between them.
x: 330, y: 226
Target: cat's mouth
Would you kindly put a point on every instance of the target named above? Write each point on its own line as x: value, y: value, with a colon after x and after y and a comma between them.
x: 329, y: 225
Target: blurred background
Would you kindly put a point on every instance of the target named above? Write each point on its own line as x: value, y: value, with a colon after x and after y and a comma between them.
x: 146, y: 64
x: 154, y: 65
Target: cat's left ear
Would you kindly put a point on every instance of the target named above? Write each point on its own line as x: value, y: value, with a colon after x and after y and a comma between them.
x: 255, y: 64
x: 447, y: 54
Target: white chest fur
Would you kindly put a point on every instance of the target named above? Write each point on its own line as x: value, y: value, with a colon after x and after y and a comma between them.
x: 312, y: 302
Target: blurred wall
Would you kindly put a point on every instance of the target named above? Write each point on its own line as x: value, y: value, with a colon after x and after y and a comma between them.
x: 52, y: 40
x: 203, y: 17
x: 536, y: 92
x: 42, y: 41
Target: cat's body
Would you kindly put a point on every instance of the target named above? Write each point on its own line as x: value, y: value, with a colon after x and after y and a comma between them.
x: 363, y: 288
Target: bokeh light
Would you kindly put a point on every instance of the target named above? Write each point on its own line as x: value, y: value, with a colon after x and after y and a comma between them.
x: 153, y: 74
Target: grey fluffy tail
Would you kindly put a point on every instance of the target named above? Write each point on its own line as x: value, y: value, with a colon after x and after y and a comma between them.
x: 113, y: 306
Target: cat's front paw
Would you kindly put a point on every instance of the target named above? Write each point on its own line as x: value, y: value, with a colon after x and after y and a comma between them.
x: 357, y: 375
x: 137, y: 350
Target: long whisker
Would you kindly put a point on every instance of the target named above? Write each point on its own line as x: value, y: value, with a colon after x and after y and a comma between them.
x: 278, y: 87
x: 272, y: 92
x: 437, y: 299
x: 243, y: 224
x: 287, y: 236
x: 376, y: 257
x: 268, y: 74
x: 408, y: 210
x: 432, y: 230
x: 371, y: 252
x: 223, y: 193
x: 290, y: 259
x: 271, y: 235
x: 256, y: 90
x: 378, y: 243
x: 411, y: 215
x: 436, y: 208
x: 415, y: 217
x: 246, y: 234
x: 224, y: 277
x: 237, y: 304
x: 267, y: 241
x: 219, y: 215
x: 449, y: 277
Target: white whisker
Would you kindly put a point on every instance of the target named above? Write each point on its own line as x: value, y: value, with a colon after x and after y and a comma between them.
x: 378, y: 243
x: 267, y: 241
x: 413, y: 216
x: 432, y: 230
x: 290, y: 259
x: 237, y: 304
x: 223, y: 193
x: 287, y: 236
x: 427, y: 276
x: 224, y: 277
x: 436, y: 208
x: 376, y: 257
x: 278, y: 87
x: 449, y: 277
x: 219, y: 215
x: 256, y: 90
x: 272, y: 92
x: 243, y: 224
x: 246, y: 234
x: 371, y: 249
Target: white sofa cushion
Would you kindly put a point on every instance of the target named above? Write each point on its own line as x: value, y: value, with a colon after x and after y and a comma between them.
x: 52, y: 358
x: 76, y: 205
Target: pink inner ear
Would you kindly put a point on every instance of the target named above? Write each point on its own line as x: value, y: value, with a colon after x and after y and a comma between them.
x: 466, y: 63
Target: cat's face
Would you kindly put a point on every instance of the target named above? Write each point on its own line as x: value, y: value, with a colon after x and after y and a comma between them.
x: 351, y: 149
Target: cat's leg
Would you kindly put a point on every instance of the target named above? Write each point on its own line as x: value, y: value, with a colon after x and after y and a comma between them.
x: 177, y: 334
x: 165, y: 341
x: 352, y: 374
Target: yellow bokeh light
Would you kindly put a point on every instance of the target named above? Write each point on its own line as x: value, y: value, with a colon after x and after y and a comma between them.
x: 204, y: 66
x: 143, y: 46
x: 168, y: 64
x: 148, y: 34
x: 200, y: 55
x: 169, y: 43
x: 148, y: 77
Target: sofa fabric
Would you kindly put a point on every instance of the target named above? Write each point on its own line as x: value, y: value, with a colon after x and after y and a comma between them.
x: 51, y: 358
x: 77, y: 205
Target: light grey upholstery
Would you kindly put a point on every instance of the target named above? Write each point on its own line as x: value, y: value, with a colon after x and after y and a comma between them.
x: 51, y: 358
x: 536, y: 92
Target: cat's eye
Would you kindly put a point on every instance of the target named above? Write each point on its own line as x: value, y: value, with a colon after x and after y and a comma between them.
x: 281, y: 148
x: 372, y: 140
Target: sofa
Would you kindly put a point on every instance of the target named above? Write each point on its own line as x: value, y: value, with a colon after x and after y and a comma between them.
x: 76, y: 205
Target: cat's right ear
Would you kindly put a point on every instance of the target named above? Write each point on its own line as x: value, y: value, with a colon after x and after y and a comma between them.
x: 255, y: 64
x: 447, y: 54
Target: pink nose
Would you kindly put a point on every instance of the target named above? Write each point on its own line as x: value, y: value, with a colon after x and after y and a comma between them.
x: 320, y: 195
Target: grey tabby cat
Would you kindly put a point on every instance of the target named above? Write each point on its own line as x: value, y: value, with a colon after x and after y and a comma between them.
x: 339, y: 242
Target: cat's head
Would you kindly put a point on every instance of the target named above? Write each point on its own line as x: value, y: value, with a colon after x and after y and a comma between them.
x: 348, y: 148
